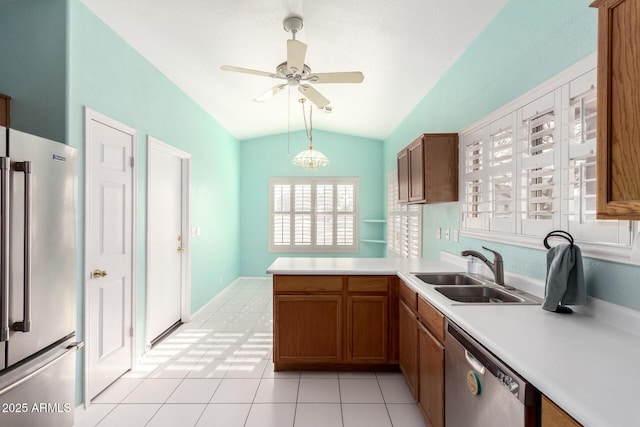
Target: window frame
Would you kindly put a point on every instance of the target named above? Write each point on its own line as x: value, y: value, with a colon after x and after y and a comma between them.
x: 559, y: 88
x: 313, y: 246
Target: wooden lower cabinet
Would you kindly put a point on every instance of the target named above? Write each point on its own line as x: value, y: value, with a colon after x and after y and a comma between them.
x: 408, y: 337
x: 431, y: 378
x: 335, y: 322
x: 367, y: 329
x: 554, y: 416
x: 309, y: 328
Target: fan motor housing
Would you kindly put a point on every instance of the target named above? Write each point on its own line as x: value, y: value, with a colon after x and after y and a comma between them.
x: 284, y: 71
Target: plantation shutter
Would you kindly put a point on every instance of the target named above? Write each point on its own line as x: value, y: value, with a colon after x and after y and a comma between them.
x: 313, y: 215
x: 501, y: 175
x: 539, y: 175
x: 404, y: 224
x: 473, y: 211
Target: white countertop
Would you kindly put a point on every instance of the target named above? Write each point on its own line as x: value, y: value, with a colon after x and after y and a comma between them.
x: 589, y: 368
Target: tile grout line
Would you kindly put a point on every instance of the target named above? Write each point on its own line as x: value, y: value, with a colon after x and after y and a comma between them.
x: 384, y: 399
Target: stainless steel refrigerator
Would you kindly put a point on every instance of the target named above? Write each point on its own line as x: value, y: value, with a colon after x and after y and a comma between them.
x: 38, y: 280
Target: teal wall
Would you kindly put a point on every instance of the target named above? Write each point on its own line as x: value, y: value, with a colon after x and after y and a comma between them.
x: 526, y: 43
x: 265, y: 157
x: 57, y: 58
x: 33, y: 65
x: 110, y: 77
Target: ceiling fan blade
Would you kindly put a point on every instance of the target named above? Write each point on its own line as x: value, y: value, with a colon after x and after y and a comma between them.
x: 296, y: 51
x: 268, y: 94
x: 248, y: 71
x: 314, y: 96
x: 344, y: 77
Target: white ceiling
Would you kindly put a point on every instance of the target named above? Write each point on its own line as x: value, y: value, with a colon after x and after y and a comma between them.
x: 403, y: 48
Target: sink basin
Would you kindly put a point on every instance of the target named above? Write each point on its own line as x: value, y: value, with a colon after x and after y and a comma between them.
x: 479, y: 294
x: 448, y: 279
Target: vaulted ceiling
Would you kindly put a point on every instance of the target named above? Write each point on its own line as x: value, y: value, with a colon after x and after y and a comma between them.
x: 402, y: 47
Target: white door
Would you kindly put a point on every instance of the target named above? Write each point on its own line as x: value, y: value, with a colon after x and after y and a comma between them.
x: 166, y: 235
x: 109, y: 248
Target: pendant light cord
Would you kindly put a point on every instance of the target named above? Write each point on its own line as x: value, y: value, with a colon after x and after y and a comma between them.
x: 289, y: 121
x: 309, y: 131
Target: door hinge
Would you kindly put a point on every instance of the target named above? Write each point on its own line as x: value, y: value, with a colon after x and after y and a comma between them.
x: 132, y: 161
x: 131, y: 331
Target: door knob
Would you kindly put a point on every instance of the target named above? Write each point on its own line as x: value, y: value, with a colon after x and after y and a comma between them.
x: 98, y: 274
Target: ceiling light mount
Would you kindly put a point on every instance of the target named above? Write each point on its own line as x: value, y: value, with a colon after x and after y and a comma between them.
x: 292, y: 25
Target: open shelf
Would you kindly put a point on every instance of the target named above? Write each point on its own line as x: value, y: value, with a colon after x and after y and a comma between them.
x: 373, y: 241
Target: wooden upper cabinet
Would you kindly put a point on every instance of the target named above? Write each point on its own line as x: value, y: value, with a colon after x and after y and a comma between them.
x: 403, y: 176
x: 618, y: 127
x: 415, y: 152
x: 428, y: 169
x: 5, y: 102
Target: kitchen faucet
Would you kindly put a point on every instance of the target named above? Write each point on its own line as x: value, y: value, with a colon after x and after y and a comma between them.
x: 496, y: 266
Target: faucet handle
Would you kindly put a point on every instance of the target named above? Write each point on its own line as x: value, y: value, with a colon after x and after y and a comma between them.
x: 496, y: 254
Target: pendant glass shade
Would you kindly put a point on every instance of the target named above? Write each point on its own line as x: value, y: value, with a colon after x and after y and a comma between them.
x: 310, y: 159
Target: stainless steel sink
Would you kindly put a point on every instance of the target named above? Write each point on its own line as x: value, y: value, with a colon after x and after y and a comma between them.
x: 462, y: 288
x: 448, y: 279
x: 479, y: 294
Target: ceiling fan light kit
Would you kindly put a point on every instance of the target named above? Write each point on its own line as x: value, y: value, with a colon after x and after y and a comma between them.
x: 296, y: 73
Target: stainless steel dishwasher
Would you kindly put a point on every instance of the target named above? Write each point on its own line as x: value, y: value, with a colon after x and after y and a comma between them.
x: 482, y: 391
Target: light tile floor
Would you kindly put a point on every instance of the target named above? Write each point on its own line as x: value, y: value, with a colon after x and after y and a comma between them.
x: 217, y: 371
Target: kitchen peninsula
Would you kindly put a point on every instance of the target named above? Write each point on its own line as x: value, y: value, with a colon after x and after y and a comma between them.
x: 584, y: 364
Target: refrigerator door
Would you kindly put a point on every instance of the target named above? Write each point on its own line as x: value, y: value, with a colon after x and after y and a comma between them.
x: 41, y: 392
x: 43, y: 242
x: 4, y: 289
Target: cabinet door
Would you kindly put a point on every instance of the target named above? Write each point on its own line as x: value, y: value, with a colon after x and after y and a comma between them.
x: 431, y: 378
x: 440, y: 168
x: 308, y: 328
x: 5, y: 102
x: 553, y: 416
x: 416, y: 171
x: 367, y: 329
x: 403, y: 176
x: 618, y: 128
x: 408, y: 334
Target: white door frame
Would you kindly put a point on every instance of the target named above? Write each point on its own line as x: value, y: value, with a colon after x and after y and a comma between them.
x: 185, y: 285
x: 90, y: 115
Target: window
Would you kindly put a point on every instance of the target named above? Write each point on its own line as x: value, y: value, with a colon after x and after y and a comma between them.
x: 472, y: 197
x: 529, y: 168
x: 501, y: 175
x: 313, y: 215
x: 404, y: 224
x: 539, y: 194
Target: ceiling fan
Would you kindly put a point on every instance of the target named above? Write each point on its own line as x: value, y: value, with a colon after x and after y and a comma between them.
x: 296, y: 73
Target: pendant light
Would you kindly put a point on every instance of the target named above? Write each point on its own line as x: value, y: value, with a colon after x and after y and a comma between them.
x: 309, y: 158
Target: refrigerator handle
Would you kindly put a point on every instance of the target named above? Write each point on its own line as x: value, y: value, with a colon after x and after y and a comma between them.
x: 5, y: 170
x: 25, y: 325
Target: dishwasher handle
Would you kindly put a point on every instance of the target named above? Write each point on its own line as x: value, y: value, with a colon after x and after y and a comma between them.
x: 475, y: 363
